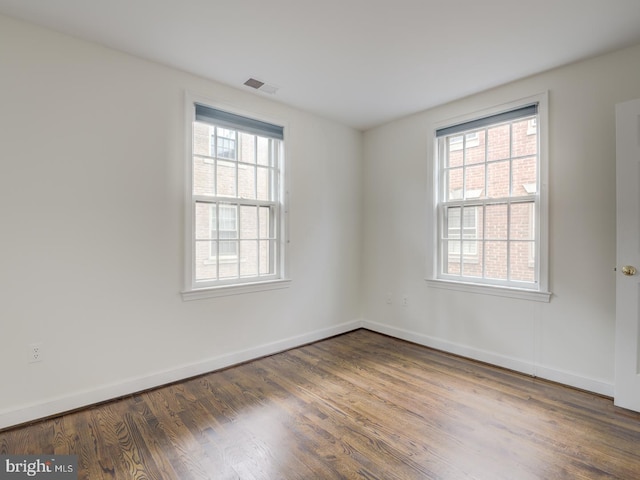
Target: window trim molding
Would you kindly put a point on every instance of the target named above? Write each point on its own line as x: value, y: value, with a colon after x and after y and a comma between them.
x: 495, y: 290
x: 190, y: 290
x: 236, y: 289
x: 542, y: 293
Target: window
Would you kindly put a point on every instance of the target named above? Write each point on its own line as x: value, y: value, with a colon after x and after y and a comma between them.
x: 490, y: 214
x: 236, y: 201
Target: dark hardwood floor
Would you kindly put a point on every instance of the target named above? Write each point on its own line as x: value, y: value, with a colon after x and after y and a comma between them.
x: 361, y: 405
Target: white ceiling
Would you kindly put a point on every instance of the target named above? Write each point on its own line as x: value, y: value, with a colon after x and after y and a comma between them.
x: 361, y: 62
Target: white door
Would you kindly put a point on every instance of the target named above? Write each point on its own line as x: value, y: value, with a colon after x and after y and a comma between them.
x: 627, y: 375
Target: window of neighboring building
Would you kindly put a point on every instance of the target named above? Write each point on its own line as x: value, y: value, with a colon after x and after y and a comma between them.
x: 223, y: 143
x: 467, y: 231
x: 236, y: 201
x: 491, y: 213
x: 224, y: 226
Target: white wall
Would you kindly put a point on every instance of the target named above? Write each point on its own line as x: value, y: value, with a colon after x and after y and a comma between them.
x: 570, y: 339
x: 92, y: 170
x: 92, y: 202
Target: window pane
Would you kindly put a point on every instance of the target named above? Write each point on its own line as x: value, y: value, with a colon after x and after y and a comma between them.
x: 204, y: 221
x: 227, y: 249
x: 226, y: 143
x: 249, y: 258
x: 227, y: 229
x: 247, y: 153
x: 264, y: 184
x: 203, y: 177
x: 496, y: 260
x: 247, y: 181
x: 265, y: 227
x: 474, y: 147
x: 522, y: 221
x: 525, y: 139
x: 248, y: 222
x: 522, y: 261
x: 267, y: 256
x: 453, y: 184
x: 499, y: 142
x: 474, y: 181
x: 524, y: 176
x: 263, y: 154
x: 496, y: 222
x: 202, y: 134
x: 470, y: 224
x: 472, y: 258
x: 226, y: 181
x: 455, y: 154
x: 498, y: 180
x: 228, y: 267
x: 452, y: 222
x: 451, y: 257
x: 205, y: 264
x: 228, y: 220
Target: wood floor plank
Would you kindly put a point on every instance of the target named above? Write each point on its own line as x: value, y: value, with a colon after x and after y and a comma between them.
x: 361, y: 406
x: 404, y: 434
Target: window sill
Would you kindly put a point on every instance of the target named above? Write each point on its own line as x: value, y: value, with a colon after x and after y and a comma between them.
x: 495, y: 290
x: 236, y: 289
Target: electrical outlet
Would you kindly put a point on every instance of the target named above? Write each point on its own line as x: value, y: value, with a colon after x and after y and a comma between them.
x: 35, y: 352
x: 405, y: 300
x: 389, y: 298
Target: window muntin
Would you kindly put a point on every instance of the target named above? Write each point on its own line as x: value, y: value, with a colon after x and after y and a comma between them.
x: 236, y: 200
x: 488, y: 171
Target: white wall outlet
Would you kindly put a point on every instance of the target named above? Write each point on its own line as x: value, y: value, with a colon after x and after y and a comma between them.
x: 35, y: 352
x: 405, y: 300
x: 389, y: 298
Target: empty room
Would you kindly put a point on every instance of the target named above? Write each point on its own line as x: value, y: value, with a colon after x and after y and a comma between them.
x: 285, y: 239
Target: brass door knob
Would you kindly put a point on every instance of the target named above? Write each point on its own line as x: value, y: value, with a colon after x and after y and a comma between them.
x: 629, y: 271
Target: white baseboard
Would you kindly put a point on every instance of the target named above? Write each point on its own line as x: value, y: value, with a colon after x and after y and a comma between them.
x: 54, y: 406
x: 583, y: 383
x: 518, y: 365
x: 73, y: 401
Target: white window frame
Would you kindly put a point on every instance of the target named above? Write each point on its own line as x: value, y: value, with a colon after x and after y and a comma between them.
x: 536, y: 292
x: 195, y: 290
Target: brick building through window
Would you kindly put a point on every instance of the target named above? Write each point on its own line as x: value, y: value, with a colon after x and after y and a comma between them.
x: 236, y: 199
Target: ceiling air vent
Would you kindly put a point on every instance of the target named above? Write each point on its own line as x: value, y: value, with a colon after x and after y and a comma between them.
x: 263, y: 87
